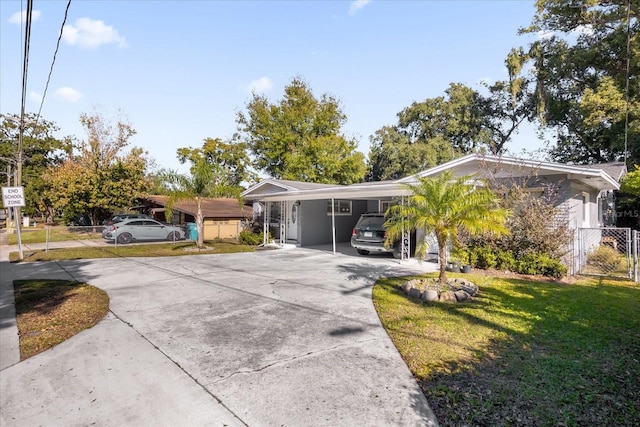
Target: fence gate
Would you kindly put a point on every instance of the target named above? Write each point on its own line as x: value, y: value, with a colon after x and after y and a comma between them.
x: 635, y: 246
x: 606, y: 252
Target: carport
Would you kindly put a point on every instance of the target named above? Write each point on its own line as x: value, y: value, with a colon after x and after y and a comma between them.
x: 316, y: 216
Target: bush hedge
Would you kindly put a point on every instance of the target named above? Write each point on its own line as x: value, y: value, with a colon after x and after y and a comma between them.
x: 486, y: 257
x: 251, y: 238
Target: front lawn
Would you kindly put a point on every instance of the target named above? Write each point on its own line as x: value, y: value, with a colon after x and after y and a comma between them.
x: 523, y: 353
x: 50, y: 311
x: 55, y: 234
x: 134, y: 250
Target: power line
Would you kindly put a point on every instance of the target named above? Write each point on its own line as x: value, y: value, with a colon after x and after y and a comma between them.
x: 25, y: 67
x: 55, y: 53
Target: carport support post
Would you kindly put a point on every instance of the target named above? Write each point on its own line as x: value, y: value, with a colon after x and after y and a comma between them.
x: 266, y: 221
x: 406, y: 239
x: 333, y: 225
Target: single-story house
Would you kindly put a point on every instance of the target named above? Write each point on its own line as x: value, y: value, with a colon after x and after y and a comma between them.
x: 223, y: 217
x: 308, y: 214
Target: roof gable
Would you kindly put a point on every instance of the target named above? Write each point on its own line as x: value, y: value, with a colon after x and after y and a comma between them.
x: 273, y: 186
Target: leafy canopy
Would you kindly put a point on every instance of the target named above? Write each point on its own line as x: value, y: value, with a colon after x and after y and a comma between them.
x: 299, y: 138
x: 40, y: 150
x: 439, y: 129
x: 580, y: 70
x: 102, y: 177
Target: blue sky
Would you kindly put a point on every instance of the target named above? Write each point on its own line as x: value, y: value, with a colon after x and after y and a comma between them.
x: 180, y: 71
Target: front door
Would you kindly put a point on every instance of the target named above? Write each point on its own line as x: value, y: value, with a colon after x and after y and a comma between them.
x: 293, y: 217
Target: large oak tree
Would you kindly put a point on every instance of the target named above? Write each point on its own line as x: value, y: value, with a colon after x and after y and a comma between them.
x: 585, y: 56
x: 300, y: 137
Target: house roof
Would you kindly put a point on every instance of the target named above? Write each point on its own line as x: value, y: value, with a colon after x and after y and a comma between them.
x: 616, y: 170
x: 595, y: 176
x: 211, y: 207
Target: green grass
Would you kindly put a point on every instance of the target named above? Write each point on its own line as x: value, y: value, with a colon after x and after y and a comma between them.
x: 523, y: 353
x: 137, y: 250
x: 51, y: 311
x: 56, y: 234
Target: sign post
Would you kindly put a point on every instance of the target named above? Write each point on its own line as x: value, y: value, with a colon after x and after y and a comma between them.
x: 13, y: 197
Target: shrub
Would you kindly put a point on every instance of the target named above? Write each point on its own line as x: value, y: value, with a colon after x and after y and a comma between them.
x: 505, y: 260
x: 485, y: 257
x: 251, y: 238
x: 606, y: 258
x: 464, y: 256
x: 541, y: 264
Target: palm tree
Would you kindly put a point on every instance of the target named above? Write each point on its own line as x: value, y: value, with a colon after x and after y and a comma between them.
x: 444, y: 206
x: 205, y: 180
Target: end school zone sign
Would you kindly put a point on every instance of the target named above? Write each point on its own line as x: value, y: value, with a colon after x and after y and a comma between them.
x: 12, y: 197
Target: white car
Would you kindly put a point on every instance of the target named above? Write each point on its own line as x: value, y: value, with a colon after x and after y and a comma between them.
x: 136, y: 229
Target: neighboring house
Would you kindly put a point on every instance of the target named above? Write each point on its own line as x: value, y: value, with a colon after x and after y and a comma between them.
x: 313, y: 214
x: 223, y: 218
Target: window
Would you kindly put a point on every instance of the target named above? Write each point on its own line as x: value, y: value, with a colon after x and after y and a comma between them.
x: 340, y: 207
x: 385, y: 205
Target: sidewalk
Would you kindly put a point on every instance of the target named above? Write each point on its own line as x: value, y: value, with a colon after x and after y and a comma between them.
x: 10, y: 348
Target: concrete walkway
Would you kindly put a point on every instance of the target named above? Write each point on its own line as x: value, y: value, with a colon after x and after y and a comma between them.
x: 272, y: 338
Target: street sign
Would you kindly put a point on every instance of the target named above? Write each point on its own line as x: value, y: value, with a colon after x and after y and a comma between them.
x: 13, y: 197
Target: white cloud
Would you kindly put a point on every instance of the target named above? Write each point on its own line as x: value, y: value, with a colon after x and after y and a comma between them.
x: 259, y: 86
x: 68, y: 94
x: 35, y: 97
x: 91, y: 33
x: 356, y: 5
x: 21, y: 17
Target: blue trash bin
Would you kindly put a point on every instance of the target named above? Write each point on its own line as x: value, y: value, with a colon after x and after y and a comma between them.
x: 193, y: 231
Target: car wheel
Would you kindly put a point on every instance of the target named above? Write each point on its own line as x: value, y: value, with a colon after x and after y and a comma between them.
x: 362, y: 252
x: 174, y: 236
x: 125, y: 238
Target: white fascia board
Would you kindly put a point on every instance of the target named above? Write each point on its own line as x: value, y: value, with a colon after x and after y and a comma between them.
x: 339, y: 192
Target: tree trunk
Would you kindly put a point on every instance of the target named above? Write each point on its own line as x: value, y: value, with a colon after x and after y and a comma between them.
x: 199, y: 224
x: 442, y: 258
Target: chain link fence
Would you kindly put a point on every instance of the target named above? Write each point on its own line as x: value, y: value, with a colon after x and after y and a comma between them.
x: 605, y: 252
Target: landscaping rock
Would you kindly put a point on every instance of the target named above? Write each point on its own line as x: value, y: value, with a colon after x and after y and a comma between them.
x: 448, y: 296
x: 406, y: 287
x: 462, y: 296
x: 430, y: 295
x: 414, y: 293
x: 464, y: 285
x: 458, y: 290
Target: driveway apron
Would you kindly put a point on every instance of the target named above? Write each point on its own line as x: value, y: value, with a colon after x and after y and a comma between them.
x: 272, y: 338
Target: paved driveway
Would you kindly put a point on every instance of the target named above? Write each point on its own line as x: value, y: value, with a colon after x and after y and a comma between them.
x: 272, y: 338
